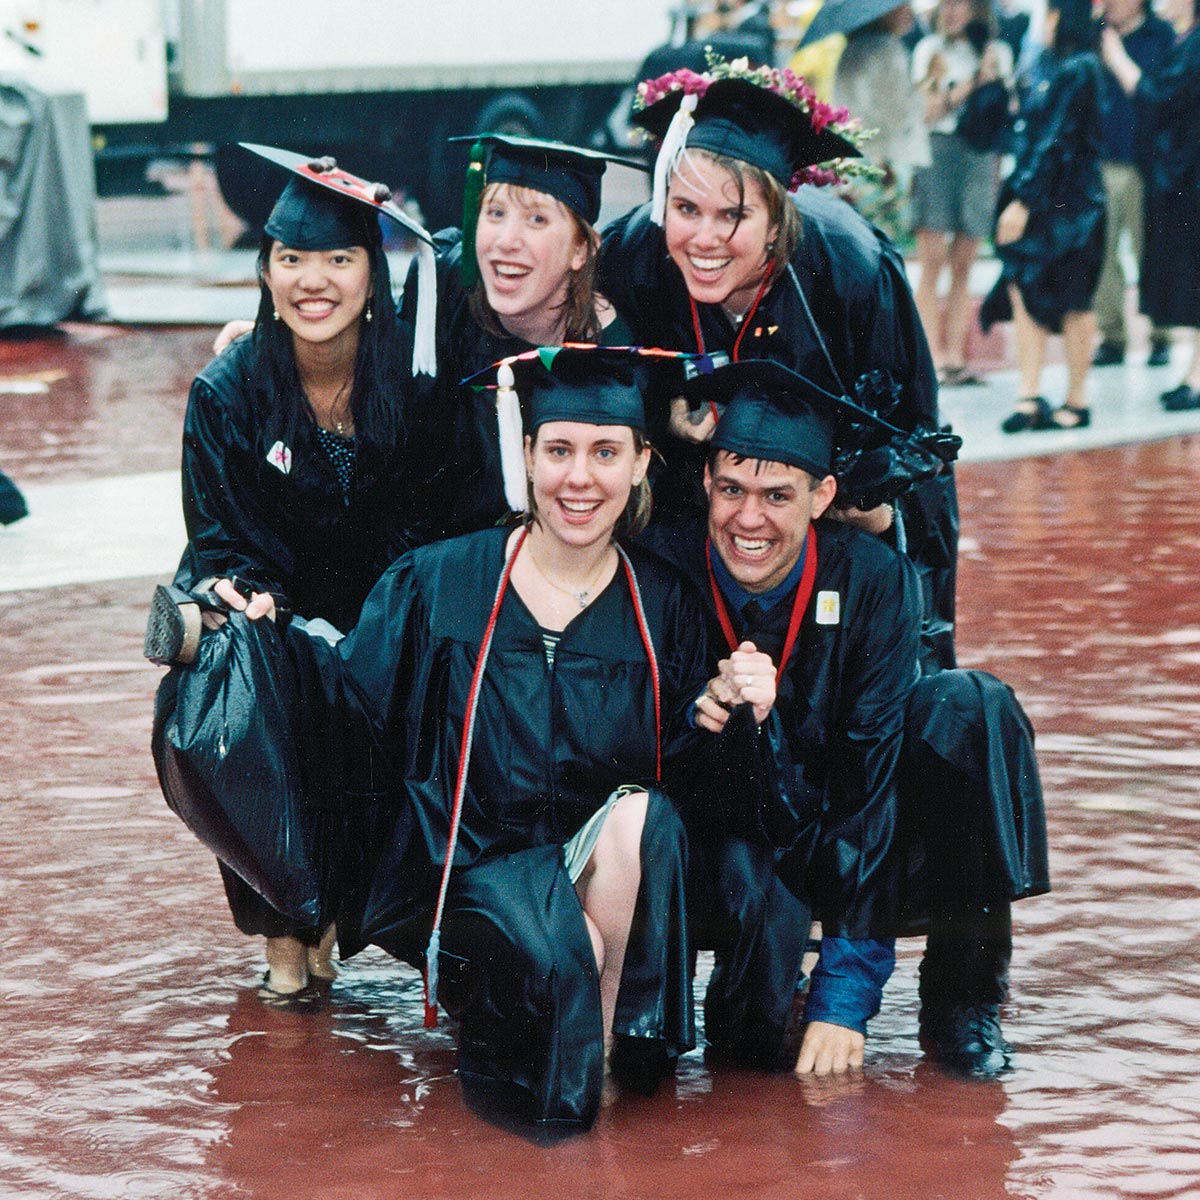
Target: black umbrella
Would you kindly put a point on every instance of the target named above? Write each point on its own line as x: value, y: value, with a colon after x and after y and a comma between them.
x: 845, y: 16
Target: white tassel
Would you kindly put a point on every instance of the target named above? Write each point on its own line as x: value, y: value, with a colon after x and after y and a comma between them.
x: 512, y: 440
x: 431, y: 967
x: 424, y: 359
x: 672, y: 147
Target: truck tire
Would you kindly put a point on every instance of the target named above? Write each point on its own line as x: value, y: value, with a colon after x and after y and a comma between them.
x: 249, y: 185
x: 510, y: 113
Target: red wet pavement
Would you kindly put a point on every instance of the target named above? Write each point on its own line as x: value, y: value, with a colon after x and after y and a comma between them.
x: 137, y: 1061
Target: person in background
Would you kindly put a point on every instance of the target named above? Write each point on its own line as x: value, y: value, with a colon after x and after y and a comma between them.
x: 954, y: 197
x: 874, y: 78
x: 1050, y: 228
x: 12, y: 502
x: 1125, y: 154
x: 1169, y: 98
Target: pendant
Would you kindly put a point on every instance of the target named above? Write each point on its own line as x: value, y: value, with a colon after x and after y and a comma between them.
x: 582, y: 597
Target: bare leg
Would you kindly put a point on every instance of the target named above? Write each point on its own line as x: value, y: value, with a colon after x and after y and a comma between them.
x: 931, y: 254
x: 1192, y: 379
x: 963, y: 252
x: 1031, y: 349
x: 608, y: 889
x: 1079, y: 335
x: 320, y: 956
x: 287, y: 965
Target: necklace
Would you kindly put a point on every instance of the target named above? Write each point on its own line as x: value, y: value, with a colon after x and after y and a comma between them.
x: 343, y: 426
x: 584, y: 595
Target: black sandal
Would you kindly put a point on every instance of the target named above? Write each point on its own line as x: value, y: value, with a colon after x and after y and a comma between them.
x: 1042, y: 417
x: 1076, y: 418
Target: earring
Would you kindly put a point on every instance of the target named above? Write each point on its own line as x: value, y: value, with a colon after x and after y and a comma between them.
x: 770, y: 248
x: 367, y: 314
x: 275, y: 314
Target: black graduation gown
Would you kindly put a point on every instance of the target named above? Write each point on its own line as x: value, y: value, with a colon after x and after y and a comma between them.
x: 291, y: 532
x: 1056, y: 263
x: 549, y: 745
x: 280, y: 520
x: 1169, y: 106
x: 454, y: 436
x: 852, y: 280
x: 928, y: 792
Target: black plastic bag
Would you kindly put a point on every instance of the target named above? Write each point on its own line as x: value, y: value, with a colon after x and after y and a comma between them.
x: 875, y: 468
x: 225, y: 746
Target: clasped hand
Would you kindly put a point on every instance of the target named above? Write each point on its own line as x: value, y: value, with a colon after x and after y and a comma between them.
x: 257, y: 605
x: 747, y: 676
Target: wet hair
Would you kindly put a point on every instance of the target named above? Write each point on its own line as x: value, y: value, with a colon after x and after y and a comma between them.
x: 636, y: 516
x: 782, y: 215
x: 715, y: 453
x: 1078, y: 31
x: 580, y: 323
x: 376, y: 396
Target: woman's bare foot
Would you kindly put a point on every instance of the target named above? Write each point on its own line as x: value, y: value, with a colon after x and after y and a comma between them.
x: 320, y: 956
x: 610, y: 1089
x: 287, y: 966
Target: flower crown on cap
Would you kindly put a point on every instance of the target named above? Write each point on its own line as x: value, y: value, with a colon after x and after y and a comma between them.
x: 785, y: 83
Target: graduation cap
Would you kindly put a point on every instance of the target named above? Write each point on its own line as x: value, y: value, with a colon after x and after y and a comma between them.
x: 570, y: 174
x: 325, y: 208
x: 775, y: 414
x: 749, y: 121
x: 594, y: 385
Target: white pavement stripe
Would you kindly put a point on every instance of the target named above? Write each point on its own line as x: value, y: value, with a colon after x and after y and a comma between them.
x: 87, y: 531
x: 131, y: 526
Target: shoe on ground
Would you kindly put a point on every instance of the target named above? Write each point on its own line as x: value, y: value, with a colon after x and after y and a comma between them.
x: 1180, y: 399
x: 1067, y: 416
x: 1109, y: 354
x: 1160, y: 352
x: 1042, y: 417
x: 967, y: 1039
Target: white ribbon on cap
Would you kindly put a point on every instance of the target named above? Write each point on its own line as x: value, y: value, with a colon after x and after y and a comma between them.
x: 672, y: 147
x: 512, y: 440
x: 424, y: 358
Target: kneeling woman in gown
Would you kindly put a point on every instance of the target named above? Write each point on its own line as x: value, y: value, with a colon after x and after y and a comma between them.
x: 530, y: 697
x: 294, y: 467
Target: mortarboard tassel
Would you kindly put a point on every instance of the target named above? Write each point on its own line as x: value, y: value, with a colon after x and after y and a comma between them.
x: 512, y: 440
x: 424, y: 359
x: 431, y: 977
x: 476, y: 181
x: 673, y: 143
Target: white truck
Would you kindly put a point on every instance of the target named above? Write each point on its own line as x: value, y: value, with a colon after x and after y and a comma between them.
x: 380, y: 84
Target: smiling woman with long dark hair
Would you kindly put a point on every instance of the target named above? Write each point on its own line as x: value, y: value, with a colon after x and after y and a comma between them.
x: 294, y: 466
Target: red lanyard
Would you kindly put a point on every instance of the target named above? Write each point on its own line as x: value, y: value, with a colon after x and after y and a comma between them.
x: 804, y: 590
x: 737, y: 342
x: 460, y: 783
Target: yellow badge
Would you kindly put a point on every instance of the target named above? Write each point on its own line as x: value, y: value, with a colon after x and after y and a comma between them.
x: 829, y: 608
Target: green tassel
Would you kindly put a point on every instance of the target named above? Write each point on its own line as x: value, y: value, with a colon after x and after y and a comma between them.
x: 472, y: 199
